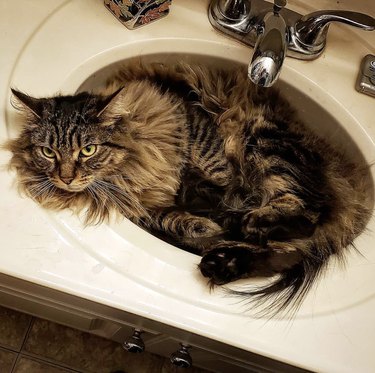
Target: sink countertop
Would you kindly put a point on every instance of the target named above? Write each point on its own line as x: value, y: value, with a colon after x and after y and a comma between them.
x: 38, y: 246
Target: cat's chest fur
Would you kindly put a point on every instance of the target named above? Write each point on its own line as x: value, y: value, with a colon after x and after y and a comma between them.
x: 155, y: 137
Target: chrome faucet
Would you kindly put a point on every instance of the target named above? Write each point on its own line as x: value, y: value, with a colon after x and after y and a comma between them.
x: 275, y: 31
x: 270, y: 48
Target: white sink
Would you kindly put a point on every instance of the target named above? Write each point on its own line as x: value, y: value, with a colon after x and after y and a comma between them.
x: 133, y: 252
x: 81, y: 56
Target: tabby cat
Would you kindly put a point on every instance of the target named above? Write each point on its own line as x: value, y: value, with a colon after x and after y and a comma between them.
x: 206, y: 161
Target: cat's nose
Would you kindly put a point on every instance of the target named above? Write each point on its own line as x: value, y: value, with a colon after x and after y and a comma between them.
x: 67, y: 180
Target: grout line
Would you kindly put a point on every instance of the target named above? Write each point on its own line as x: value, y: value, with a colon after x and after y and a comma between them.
x: 42, y: 358
x: 46, y: 362
x: 18, y: 348
x: 50, y: 361
x: 23, y: 343
x: 15, y: 363
x: 9, y: 348
x: 31, y: 323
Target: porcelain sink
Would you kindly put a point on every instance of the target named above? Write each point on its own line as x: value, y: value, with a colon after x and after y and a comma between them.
x: 67, y: 46
x: 324, y: 105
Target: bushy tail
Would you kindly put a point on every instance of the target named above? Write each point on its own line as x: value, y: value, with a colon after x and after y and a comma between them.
x: 284, y: 296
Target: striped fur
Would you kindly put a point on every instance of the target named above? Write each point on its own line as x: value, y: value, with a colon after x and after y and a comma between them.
x: 206, y: 161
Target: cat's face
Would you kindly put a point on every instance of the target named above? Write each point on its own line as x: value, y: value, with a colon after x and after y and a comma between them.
x: 66, y: 141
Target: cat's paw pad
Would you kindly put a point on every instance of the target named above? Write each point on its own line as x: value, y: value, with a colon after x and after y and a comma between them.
x: 221, y: 266
x: 202, y: 228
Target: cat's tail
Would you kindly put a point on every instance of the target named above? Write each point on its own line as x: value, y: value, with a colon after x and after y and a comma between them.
x: 290, y: 275
x: 284, y: 294
x: 291, y: 267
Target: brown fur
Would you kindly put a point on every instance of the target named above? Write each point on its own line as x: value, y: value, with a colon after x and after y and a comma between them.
x: 205, y: 160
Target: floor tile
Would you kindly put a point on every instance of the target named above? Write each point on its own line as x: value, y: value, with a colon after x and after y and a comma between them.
x: 26, y: 364
x: 13, y: 328
x: 83, y: 351
x: 7, y: 359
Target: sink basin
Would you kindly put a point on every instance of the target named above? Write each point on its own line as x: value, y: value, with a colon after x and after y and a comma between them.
x: 133, y: 252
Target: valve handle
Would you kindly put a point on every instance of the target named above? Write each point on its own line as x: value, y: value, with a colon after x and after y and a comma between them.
x: 181, y: 357
x: 278, y: 5
x: 135, y: 342
x: 312, y: 28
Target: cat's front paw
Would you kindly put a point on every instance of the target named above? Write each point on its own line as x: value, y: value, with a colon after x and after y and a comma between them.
x: 225, y: 265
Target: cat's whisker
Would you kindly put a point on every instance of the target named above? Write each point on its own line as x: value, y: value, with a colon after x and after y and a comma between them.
x: 31, y: 179
x: 40, y: 189
x: 113, y: 190
x: 125, y: 205
x: 50, y: 192
x: 106, y: 200
x: 39, y: 185
x: 91, y: 190
x: 112, y: 187
x: 113, y: 198
x: 46, y: 188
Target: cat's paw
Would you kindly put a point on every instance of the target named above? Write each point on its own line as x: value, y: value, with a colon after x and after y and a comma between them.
x: 263, y: 224
x: 264, y: 216
x: 225, y: 265
x: 200, y: 227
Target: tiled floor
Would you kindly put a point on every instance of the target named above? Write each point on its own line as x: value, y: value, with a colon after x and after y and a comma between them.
x: 32, y: 345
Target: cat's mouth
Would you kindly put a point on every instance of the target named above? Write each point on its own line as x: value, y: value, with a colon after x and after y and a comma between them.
x: 72, y: 187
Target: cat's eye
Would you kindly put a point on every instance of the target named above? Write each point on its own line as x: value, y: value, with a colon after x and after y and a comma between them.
x: 88, y: 150
x: 49, y: 153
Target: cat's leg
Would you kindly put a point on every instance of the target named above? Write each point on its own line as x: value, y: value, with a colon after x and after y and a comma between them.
x: 282, y: 218
x: 228, y: 261
x: 185, y: 227
x: 285, y: 174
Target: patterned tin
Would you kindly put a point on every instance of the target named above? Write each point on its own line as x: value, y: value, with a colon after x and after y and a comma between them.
x: 136, y: 13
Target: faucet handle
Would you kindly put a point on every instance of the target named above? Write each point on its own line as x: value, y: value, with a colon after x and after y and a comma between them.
x: 311, y: 29
x: 234, y: 10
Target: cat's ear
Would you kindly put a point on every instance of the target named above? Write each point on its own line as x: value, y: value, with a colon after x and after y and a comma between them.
x: 24, y: 101
x: 103, y: 104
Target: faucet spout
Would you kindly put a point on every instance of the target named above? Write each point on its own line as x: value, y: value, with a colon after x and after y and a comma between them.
x: 270, y: 48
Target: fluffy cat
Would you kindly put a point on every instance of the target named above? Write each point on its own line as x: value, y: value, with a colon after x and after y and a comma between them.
x: 204, y: 160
